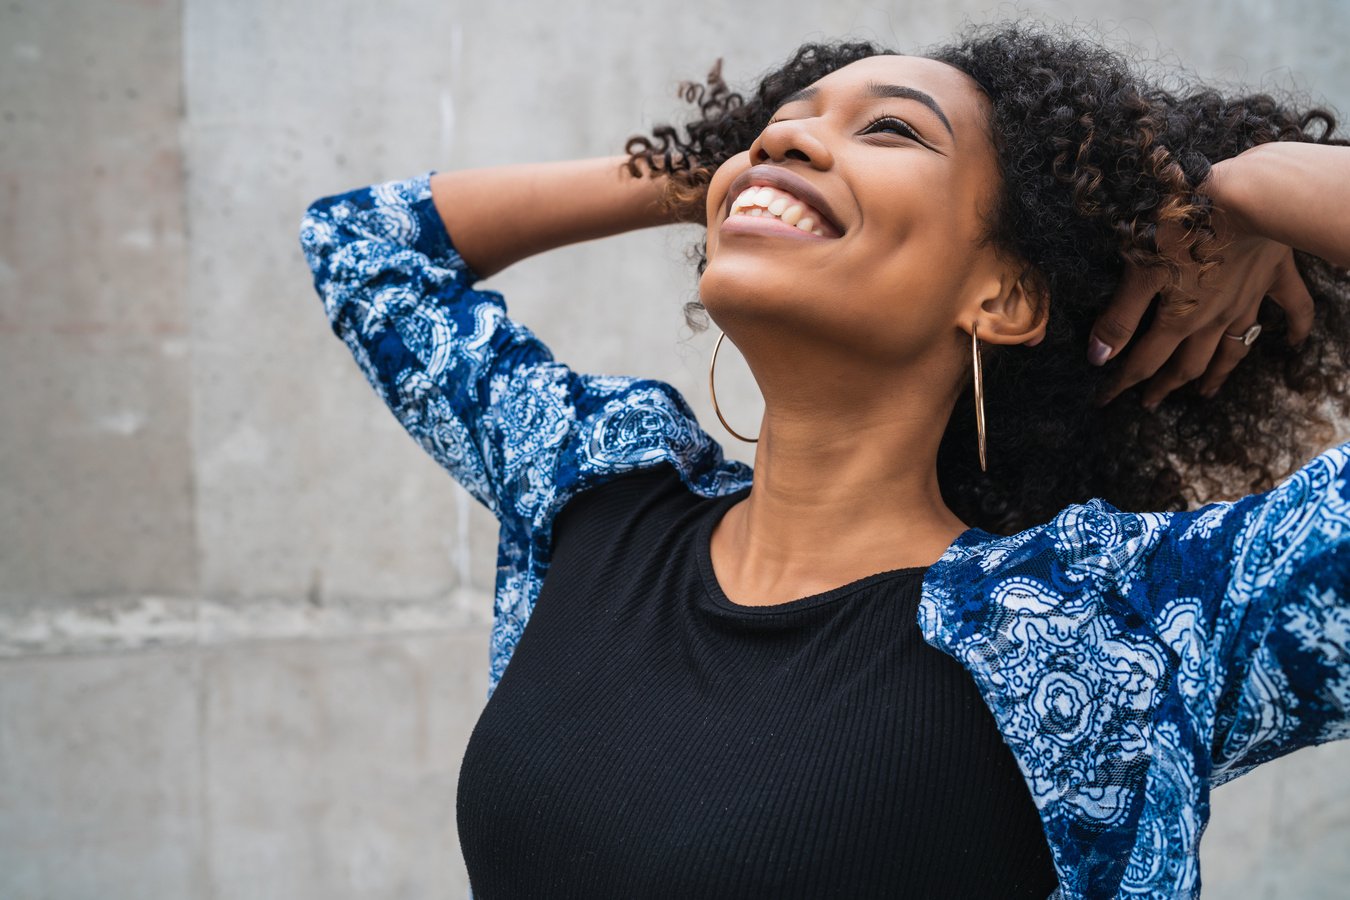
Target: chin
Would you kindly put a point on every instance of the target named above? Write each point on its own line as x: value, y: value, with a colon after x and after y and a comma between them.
x: 739, y: 290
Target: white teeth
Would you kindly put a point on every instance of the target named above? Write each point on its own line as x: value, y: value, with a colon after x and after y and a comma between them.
x: 745, y: 199
x: 766, y: 201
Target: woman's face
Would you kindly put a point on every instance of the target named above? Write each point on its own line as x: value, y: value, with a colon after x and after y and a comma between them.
x: 854, y: 218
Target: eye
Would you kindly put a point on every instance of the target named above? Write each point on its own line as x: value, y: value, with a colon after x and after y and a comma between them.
x: 884, y: 124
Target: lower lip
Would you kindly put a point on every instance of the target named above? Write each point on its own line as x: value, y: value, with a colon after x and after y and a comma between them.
x: 766, y: 225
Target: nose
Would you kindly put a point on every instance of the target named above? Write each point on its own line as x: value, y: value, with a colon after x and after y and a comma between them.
x: 791, y: 139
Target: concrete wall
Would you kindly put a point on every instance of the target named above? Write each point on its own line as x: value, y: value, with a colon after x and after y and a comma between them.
x: 243, y: 618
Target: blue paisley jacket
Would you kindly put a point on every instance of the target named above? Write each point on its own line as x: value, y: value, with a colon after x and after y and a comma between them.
x: 1132, y: 661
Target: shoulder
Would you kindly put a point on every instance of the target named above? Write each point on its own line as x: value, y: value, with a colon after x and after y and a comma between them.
x: 585, y: 430
x: 659, y: 484
x: 1078, y: 672
x: 1087, y: 539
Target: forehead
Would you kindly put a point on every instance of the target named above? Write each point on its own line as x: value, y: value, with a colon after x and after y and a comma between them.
x: 956, y: 92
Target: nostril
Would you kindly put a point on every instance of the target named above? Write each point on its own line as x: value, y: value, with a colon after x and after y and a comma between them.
x: 794, y: 153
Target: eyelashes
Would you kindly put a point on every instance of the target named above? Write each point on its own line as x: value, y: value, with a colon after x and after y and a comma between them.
x: 891, y: 121
x: 879, y: 125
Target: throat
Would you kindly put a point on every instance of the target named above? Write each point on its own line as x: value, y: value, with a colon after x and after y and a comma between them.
x: 790, y: 560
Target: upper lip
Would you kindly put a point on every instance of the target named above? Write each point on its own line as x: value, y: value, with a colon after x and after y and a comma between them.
x: 776, y: 176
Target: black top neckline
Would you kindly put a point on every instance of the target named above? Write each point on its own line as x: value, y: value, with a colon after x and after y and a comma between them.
x: 703, y: 553
x: 650, y: 738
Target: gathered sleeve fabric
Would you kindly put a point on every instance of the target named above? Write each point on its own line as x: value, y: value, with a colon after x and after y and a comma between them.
x: 444, y: 357
x: 1264, y: 583
x: 1136, y: 660
x: 522, y: 432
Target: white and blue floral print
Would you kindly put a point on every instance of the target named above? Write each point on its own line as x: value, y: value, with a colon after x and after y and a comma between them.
x: 1132, y: 661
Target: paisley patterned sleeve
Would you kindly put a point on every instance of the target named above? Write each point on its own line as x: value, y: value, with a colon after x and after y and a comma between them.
x: 443, y: 356
x: 1257, y: 605
x: 479, y: 391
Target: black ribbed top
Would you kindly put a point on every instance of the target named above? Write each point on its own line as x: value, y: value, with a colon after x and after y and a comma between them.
x: 651, y: 738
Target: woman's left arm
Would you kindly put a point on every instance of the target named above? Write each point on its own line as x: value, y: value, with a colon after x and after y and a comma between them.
x: 1253, y: 595
x: 1291, y: 192
x: 1268, y: 200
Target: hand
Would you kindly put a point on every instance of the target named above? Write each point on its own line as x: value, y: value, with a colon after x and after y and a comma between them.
x: 1186, y: 340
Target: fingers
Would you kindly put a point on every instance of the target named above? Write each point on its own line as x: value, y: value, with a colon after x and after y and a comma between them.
x: 1172, y: 325
x: 1191, y: 360
x: 1118, y: 322
x: 1227, y: 354
x: 1186, y: 339
x: 1206, y: 354
x: 1291, y: 293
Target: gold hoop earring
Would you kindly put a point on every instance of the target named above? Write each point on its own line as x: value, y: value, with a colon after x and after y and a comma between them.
x: 712, y: 388
x: 979, y: 391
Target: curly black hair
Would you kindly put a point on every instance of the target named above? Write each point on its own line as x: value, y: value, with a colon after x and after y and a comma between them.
x: 1095, y: 157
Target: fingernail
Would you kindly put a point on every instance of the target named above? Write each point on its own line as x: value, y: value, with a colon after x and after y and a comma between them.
x: 1097, y: 351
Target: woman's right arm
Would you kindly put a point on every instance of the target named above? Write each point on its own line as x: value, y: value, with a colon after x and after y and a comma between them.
x: 501, y: 215
x: 479, y: 391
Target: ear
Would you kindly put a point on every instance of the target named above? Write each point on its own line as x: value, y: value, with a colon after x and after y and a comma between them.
x: 1011, y: 306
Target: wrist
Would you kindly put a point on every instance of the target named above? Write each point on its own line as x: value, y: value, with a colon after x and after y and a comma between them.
x: 654, y: 184
x: 1229, y: 186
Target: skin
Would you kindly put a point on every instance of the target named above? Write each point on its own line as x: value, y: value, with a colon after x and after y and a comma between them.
x: 1288, y: 184
x: 860, y: 344
x: 1188, y: 341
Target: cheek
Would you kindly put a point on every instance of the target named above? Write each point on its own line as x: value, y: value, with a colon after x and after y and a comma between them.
x: 920, y: 243
x: 899, y: 290
x: 888, y: 290
x: 717, y: 193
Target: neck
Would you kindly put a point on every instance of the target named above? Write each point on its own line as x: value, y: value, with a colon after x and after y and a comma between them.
x: 840, y: 492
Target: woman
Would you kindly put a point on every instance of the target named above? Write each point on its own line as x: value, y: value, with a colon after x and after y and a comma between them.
x: 922, y: 653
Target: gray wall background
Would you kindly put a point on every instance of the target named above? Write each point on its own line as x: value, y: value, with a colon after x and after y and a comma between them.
x: 243, y: 619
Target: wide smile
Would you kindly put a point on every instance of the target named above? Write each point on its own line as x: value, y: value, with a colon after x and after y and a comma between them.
x: 773, y: 201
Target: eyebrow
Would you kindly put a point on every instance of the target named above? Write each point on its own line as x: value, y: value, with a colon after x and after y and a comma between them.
x: 908, y: 93
x: 882, y: 92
